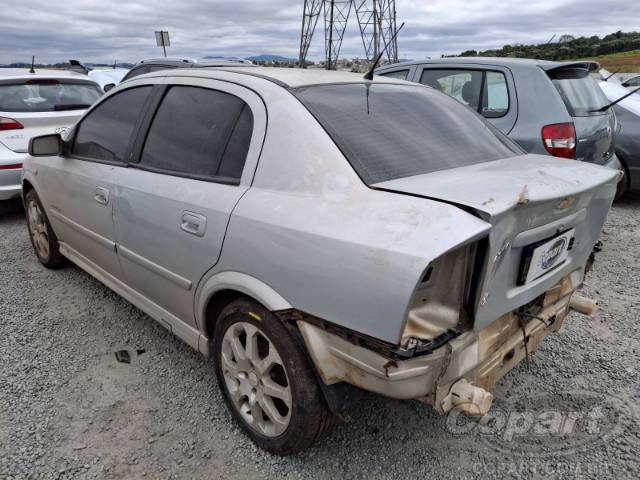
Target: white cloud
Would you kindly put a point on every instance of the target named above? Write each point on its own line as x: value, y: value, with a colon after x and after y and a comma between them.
x: 112, y: 29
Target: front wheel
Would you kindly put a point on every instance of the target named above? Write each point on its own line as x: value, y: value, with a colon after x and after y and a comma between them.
x: 43, y: 239
x: 267, y: 381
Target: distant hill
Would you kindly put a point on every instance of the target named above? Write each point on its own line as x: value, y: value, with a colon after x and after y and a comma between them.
x: 270, y: 58
x: 626, y: 62
x: 567, y: 47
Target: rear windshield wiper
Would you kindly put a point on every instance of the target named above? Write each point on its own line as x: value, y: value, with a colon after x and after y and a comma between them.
x: 607, y: 107
x: 71, y: 106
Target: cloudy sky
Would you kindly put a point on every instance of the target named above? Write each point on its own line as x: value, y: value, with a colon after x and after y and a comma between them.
x: 104, y: 30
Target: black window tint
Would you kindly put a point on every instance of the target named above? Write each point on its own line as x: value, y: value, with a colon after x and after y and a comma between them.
x: 191, y: 131
x: 238, y: 146
x: 394, y: 131
x: 105, y: 133
x: 399, y: 74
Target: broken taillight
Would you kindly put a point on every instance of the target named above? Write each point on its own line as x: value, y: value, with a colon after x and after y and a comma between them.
x: 560, y: 139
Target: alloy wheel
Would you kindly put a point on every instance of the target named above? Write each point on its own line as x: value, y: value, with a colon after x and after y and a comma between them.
x: 38, y: 229
x: 256, y: 379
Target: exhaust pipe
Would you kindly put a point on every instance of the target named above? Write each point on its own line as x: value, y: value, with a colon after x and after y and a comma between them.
x: 583, y: 305
x: 468, y: 398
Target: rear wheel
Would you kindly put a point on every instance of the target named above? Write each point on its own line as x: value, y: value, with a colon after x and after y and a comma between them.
x: 266, y: 380
x: 623, y: 185
x: 43, y: 239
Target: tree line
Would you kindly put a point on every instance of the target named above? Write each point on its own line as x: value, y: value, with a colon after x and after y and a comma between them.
x: 567, y: 47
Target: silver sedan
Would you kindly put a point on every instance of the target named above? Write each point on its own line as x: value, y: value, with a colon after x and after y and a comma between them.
x: 318, y: 234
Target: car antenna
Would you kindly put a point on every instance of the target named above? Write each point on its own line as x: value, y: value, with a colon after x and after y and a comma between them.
x: 607, y: 107
x: 369, y: 74
x: 610, y: 75
x: 33, y: 61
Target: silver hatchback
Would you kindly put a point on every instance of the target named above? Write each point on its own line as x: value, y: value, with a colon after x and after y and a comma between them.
x: 318, y: 234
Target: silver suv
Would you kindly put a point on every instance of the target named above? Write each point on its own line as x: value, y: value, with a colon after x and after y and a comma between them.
x: 318, y: 234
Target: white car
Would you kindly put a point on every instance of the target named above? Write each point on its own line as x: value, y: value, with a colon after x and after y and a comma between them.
x: 32, y: 104
x: 111, y: 76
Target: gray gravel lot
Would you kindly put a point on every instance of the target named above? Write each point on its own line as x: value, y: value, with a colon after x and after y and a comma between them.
x: 68, y: 409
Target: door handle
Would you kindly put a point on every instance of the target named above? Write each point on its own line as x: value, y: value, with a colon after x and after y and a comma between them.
x: 101, y: 195
x: 194, y: 223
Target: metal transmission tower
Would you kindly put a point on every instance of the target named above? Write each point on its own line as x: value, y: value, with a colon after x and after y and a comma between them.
x: 376, y: 21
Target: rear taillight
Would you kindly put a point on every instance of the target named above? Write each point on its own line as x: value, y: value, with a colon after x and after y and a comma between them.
x: 560, y: 139
x: 7, y: 123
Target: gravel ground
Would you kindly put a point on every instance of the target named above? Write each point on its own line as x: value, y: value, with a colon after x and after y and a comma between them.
x: 68, y: 409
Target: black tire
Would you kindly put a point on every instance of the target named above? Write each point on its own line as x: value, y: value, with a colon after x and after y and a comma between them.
x: 309, y: 416
x: 51, y: 256
x: 623, y: 185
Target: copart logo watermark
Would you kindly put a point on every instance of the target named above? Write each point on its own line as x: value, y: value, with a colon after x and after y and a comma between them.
x: 540, y: 425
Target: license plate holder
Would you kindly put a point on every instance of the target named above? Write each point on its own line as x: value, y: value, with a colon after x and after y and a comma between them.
x: 544, y: 256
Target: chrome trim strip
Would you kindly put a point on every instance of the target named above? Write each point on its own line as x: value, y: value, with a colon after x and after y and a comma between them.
x: 155, y: 268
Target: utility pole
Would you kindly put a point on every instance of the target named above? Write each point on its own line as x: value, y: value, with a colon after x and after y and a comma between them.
x: 376, y: 21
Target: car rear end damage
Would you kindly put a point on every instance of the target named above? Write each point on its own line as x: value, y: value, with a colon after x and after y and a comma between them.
x: 475, y: 313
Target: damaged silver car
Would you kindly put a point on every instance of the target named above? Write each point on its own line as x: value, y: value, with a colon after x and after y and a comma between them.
x: 318, y: 234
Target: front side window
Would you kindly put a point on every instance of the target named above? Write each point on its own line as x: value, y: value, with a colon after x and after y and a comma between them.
x: 399, y: 74
x: 484, y: 91
x: 47, y: 95
x: 104, y: 134
x: 391, y: 131
x: 200, y: 133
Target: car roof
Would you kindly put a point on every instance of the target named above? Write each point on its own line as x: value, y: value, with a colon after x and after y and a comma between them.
x: 546, y: 65
x: 23, y: 73
x: 301, y: 77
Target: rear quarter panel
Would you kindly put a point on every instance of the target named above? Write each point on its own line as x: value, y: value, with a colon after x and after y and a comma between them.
x: 330, y: 246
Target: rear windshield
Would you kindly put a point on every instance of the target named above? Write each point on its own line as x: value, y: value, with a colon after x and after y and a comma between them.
x: 579, y: 91
x: 392, y: 131
x: 44, y: 95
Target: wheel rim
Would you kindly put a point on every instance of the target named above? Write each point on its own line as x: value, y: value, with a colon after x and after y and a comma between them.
x: 38, y: 229
x: 256, y: 379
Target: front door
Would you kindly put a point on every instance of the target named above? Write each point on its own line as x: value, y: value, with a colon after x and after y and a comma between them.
x: 174, y: 203
x: 80, y: 185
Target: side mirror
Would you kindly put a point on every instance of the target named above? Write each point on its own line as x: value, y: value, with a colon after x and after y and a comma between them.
x: 46, y: 145
x: 108, y: 87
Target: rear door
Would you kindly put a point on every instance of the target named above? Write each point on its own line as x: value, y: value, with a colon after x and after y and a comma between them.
x: 79, y: 186
x: 173, y: 205
x: 582, y: 96
x: 490, y: 92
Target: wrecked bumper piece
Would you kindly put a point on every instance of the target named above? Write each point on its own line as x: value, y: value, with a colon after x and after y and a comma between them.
x: 461, y: 369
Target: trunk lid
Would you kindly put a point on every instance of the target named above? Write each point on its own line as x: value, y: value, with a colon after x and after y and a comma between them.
x: 582, y: 96
x: 594, y: 138
x: 40, y: 123
x: 528, y: 200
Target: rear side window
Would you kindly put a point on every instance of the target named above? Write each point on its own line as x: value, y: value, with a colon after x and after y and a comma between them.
x: 484, y: 91
x: 399, y: 74
x: 394, y: 131
x: 47, y: 95
x: 199, y: 133
x: 104, y: 134
x: 579, y: 91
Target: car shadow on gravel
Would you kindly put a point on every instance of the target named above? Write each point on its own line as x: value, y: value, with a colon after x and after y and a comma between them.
x: 11, y: 210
